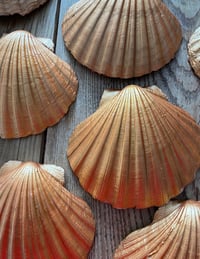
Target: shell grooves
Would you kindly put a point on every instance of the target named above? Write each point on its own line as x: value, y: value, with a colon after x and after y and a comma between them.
x: 133, y: 150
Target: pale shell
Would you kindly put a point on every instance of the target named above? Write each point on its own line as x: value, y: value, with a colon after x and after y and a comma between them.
x: 39, y: 217
x: 174, y: 234
x: 194, y: 51
x: 136, y: 150
x: 22, y: 7
x: 36, y: 89
x: 123, y: 39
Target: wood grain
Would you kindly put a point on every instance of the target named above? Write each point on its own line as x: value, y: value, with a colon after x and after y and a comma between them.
x: 41, y: 22
x: 176, y: 80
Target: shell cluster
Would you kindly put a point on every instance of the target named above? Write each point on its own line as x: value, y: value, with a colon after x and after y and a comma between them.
x: 136, y: 150
x: 22, y: 7
x: 173, y: 234
x: 37, y: 87
x: 39, y: 217
x: 123, y: 39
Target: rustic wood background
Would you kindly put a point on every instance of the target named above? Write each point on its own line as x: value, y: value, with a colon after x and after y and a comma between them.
x: 177, y: 81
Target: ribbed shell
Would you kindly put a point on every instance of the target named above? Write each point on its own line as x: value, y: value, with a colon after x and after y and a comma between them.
x: 36, y: 88
x: 174, y: 234
x: 123, y: 39
x: 22, y: 7
x: 194, y: 51
x: 136, y: 150
x: 39, y: 217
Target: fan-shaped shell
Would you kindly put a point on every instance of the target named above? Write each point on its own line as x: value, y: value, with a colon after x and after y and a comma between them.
x: 121, y: 38
x: 36, y: 89
x: 22, y: 7
x: 194, y: 51
x: 136, y: 150
x: 174, y: 234
x: 39, y: 217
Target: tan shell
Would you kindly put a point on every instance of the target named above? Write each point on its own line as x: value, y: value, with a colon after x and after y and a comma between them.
x: 39, y: 217
x: 36, y: 89
x: 136, y: 150
x: 174, y: 234
x: 124, y: 39
x: 22, y: 7
x: 194, y: 51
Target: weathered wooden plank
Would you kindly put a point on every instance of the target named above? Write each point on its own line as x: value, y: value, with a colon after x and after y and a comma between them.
x: 176, y: 79
x: 41, y: 22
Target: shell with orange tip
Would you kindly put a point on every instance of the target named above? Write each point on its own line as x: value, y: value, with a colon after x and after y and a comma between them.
x: 136, y: 150
x: 36, y: 89
x: 194, y: 51
x: 174, y: 234
x: 123, y: 39
x: 22, y: 7
x: 39, y: 217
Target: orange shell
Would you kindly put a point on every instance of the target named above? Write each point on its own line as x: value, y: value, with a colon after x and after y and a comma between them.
x: 194, y: 51
x: 174, y: 234
x: 39, y: 217
x: 36, y: 89
x: 136, y: 150
x: 22, y: 7
x: 118, y: 38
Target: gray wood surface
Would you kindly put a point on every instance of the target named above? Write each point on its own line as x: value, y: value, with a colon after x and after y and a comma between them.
x: 176, y: 80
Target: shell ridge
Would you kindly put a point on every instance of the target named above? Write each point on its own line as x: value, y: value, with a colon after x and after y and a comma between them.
x: 186, y: 130
x: 32, y: 215
x: 119, y: 162
x: 105, y: 28
x: 53, y: 202
x: 27, y: 91
x: 81, y: 128
x: 172, y: 148
x: 100, y: 54
x: 9, y: 113
x: 175, y: 231
x: 155, y: 153
x: 114, y: 26
x: 41, y: 195
x: 74, y: 40
x: 53, y: 78
x: 32, y: 93
x: 52, y: 240
x: 149, y: 155
x: 111, y: 119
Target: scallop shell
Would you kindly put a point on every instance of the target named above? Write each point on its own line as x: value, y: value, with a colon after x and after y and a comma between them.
x: 121, y: 38
x: 194, y: 51
x: 136, y: 150
x: 39, y: 217
x: 37, y: 87
x: 174, y: 234
x: 22, y: 7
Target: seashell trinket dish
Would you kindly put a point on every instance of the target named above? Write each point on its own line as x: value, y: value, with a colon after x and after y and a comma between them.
x: 37, y: 87
x: 39, y: 217
x: 23, y: 7
x: 124, y: 39
x: 173, y: 234
x: 136, y: 150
